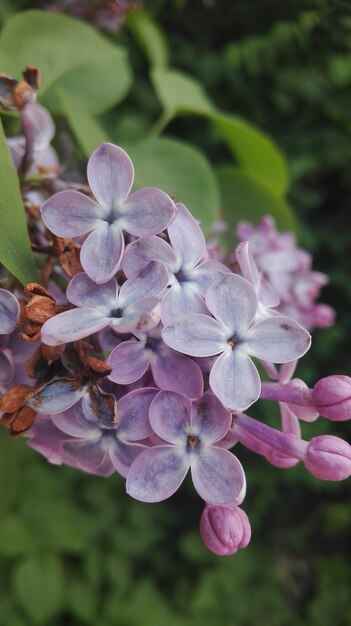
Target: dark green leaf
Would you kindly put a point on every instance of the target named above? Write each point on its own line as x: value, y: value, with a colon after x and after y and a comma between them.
x: 244, y: 198
x: 181, y: 171
x: 39, y: 585
x: 15, y: 252
x: 71, y: 55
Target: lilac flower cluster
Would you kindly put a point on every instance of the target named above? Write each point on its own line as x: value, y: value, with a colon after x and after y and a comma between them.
x: 147, y: 362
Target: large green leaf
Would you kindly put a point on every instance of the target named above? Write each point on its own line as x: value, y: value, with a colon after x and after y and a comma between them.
x: 244, y: 198
x: 181, y: 171
x: 253, y: 150
x: 150, y: 37
x: 88, y: 132
x: 71, y: 55
x: 15, y: 252
x: 39, y: 586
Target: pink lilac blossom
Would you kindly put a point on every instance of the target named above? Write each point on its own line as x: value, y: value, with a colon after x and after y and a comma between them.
x: 170, y: 332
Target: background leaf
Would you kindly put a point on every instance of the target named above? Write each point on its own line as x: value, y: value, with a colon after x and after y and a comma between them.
x: 181, y: 171
x: 149, y: 36
x: 71, y: 55
x: 15, y: 252
x: 244, y: 198
x: 39, y: 586
x: 87, y: 130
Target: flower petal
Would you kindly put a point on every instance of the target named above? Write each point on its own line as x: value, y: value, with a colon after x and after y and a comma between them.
x: 195, y: 334
x: 247, y: 264
x: 122, y: 455
x: 84, y: 292
x: 232, y: 301
x: 87, y: 454
x: 235, y: 381
x: 56, y: 396
x: 9, y: 312
x: 156, y: 474
x: 71, y: 214
x: 129, y: 361
x: 278, y: 339
x: 72, y: 325
x: 74, y: 423
x: 170, y: 416
x: 186, y: 237
x: 150, y: 281
x: 110, y: 175
x: 218, y: 476
x: 179, y: 300
x: 206, y: 273
x: 173, y: 371
x: 140, y: 317
x: 6, y: 366
x: 147, y: 211
x: 102, y: 251
x: 134, y: 413
x: 209, y: 419
x: 140, y: 252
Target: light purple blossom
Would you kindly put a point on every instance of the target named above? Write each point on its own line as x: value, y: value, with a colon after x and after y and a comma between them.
x: 171, y: 370
x: 93, y: 443
x: 233, y: 303
x: 146, y: 212
x: 190, y: 431
x: 9, y: 312
x: 190, y: 275
x: 133, y: 306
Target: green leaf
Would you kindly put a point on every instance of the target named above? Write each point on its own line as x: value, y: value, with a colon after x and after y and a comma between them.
x: 181, y: 171
x: 38, y: 585
x: 244, y: 198
x: 254, y: 151
x: 149, y: 36
x: 15, y: 252
x: 84, y: 126
x: 71, y: 55
x: 14, y: 537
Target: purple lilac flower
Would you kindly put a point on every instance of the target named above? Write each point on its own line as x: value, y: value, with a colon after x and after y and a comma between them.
x: 171, y: 370
x: 71, y: 214
x: 9, y: 312
x: 190, y: 431
x: 224, y: 529
x: 190, y: 274
x: 133, y: 306
x: 233, y: 303
x: 92, y: 442
x: 267, y: 299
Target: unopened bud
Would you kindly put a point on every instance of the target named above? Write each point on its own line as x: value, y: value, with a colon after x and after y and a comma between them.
x: 328, y: 457
x: 331, y: 397
x: 224, y: 529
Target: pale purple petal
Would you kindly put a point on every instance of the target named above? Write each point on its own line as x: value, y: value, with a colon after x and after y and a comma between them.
x: 186, y: 237
x: 140, y: 252
x: 150, y: 281
x: 290, y: 422
x: 235, y: 381
x: 99, y: 406
x: 147, y: 211
x: 179, y: 300
x: 73, y: 423
x: 72, y: 325
x: 140, y: 317
x: 175, y: 372
x: 134, y: 413
x: 170, y: 416
x: 247, y: 264
x: 6, y: 366
x: 88, y: 454
x: 206, y: 273
x: 156, y: 474
x: 84, y: 292
x: 102, y: 251
x: 122, y: 455
x: 9, y: 312
x: 278, y: 339
x: 218, y: 476
x: 56, y: 396
x: 196, y: 335
x: 232, y: 301
x: 209, y: 419
x: 71, y: 214
x: 129, y: 361
x: 110, y: 175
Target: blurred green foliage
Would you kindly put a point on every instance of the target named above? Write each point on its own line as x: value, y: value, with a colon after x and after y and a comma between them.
x: 74, y: 549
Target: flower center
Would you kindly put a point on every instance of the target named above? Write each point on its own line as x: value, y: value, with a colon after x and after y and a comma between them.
x: 233, y: 341
x: 192, y: 442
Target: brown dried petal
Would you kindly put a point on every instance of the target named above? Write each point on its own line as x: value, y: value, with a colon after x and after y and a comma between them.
x: 70, y: 262
x: 31, y: 75
x: 12, y: 400
x: 34, y: 289
x: 40, y: 309
x: 23, y: 420
x: 98, y: 366
x: 51, y: 353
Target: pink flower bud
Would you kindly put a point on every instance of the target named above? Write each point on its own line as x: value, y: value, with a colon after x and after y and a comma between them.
x: 332, y: 397
x: 280, y: 460
x: 328, y: 458
x: 224, y: 529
